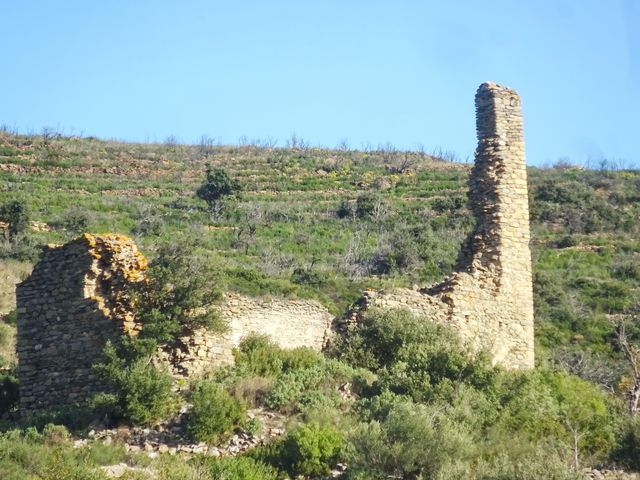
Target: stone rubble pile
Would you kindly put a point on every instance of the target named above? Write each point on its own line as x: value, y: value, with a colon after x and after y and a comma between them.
x: 172, y: 438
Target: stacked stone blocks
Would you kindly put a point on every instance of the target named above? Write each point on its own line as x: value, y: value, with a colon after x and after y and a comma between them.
x: 489, y: 299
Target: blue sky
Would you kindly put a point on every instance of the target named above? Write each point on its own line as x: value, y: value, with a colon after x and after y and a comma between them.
x: 372, y: 72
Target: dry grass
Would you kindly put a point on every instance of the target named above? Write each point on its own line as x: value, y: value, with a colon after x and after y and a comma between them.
x: 7, y: 345
x: 11, y: 273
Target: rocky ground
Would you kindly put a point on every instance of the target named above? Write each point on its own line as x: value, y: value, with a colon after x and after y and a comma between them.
x: 172, y: 438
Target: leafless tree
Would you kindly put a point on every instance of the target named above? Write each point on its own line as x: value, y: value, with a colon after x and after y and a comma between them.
x: 631, y: 352
x: 246, y: 233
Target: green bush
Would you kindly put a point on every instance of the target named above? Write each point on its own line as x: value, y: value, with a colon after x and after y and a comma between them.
x: 179, y: 293
x: 237, y: 468
x: 413, y: 356
x: 309, y: 387
x: 76, y: 220
x: 215, y: 412
x: 254, y: 426
x: 76, y: 417
x: 533, y: 463
x: 16, y: 214
x: 216, y: 186
x: 312, y: 449
x: 30, y: 455
x: 413, y: 441
x: 259, y: 356
x: 627, y: 450
x: 345, y: 209
x: 9, y: 393
x: 142, y: 393
x: 11, y: 318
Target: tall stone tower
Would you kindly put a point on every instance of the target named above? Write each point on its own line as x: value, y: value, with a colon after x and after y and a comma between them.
x: 489, y: 299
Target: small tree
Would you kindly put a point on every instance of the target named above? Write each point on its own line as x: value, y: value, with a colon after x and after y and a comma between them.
x: 180, y: 292
x: 631, y: 352
x: 216, y: 186
x: 16, y: 214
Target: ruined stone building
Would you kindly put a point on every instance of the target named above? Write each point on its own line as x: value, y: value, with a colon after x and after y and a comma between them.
x: 489, y: 299
x: 72, y: 303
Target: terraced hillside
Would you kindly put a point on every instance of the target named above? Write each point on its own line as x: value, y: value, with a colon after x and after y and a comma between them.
x: 327, y: 224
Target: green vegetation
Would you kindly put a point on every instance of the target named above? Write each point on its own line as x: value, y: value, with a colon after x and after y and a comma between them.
x: 216, y: 186
x: 16, y: 215
x: 397, y: 398
x: 215, y: 412
x: 143, y: 392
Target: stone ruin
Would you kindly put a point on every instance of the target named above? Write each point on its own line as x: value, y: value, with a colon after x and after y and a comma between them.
x: 73, y: 302
x: 68, y: 308
x: 489, y: 298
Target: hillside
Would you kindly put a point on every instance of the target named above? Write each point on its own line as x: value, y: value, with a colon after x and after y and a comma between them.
x: 328, y: 224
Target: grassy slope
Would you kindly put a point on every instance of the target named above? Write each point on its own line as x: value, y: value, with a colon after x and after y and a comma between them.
x: 584, y: 222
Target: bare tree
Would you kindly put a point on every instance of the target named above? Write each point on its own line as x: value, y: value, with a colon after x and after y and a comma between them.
x: 246, y: 233
x: 632, y: 354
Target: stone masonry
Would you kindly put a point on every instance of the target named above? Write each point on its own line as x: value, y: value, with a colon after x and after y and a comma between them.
x: 68, y: 308
x: 75, y: 300
x: 290, y: 323
x: 489, y: 298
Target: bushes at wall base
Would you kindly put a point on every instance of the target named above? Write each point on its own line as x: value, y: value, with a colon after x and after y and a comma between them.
x: 215, y: 412
x: 9, y: 395
x: 310, y: 450
x: 140, y: 392
x: 236, y: 468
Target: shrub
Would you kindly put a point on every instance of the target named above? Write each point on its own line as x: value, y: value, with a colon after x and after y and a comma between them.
x: 254, y: 426
x: 366, y: 205
x: 238, y: 468
x: 413, y: 441
x: 16, y: 214
x: 217, y: 185
x: 23, y: 247
x: 215, y: 412
x: 252, y: 390
x: 11, y: 318
x: 310, y: 387
x: 627, y: 450
x: 55, y: 434
x: 259, y: 356
x: 345, y: 210
x: 413, y: 355
x: 312, y: 449
x: 9, y: 393
x: 533, y: 463
x: 76, y: 417
x: 76, y: 220
x: 307, y: 276
x: 179, y: 292
x: 144, y: 393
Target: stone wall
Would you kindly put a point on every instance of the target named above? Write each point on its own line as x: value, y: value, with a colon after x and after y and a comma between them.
x: 290, y: 323
x: 75, y: 300
x: 72, y: 303
x: 489, y: 298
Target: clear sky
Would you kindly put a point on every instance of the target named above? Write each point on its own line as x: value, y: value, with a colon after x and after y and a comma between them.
x: 369, y: 71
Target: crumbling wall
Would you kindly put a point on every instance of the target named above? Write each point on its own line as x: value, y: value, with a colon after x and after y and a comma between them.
x: 73, y: 302
x: 489, y: 298
x: 290, y: 323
